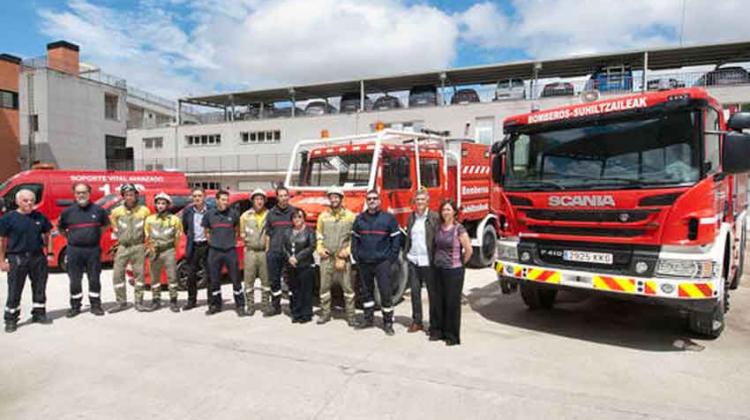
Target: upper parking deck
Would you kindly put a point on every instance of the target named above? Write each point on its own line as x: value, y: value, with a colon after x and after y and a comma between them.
x: 615, y: 73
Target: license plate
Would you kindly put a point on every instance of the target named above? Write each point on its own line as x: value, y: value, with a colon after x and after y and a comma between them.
x: 588, y: 257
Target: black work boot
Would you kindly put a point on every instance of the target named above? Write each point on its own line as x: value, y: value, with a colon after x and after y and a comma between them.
x: 274, y: 309
x: 156, y: 304
x: 388, y: 323
x: 368, y: 321
x: 173, y: 306
x: 118, y: 307
x: 212, y: 310
x: 250, y: 309
x: 74, y: 312
x: 40, y: 319
x: 189, y: 305
x: 97, y: 310
x: 240, y: 309
x: 11, y: 326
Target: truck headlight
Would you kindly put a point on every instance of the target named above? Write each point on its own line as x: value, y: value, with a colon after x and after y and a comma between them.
x: 507, y: 252
x: 686, y: 268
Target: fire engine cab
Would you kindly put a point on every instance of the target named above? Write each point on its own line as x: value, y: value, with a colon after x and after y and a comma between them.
x: 397, y: 163
x: 642, y: 197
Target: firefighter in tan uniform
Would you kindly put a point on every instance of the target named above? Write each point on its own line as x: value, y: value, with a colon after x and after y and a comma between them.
x: 128, y: 228
x: 163, y: 231
x: 253, y: 234
x: 334, y: 234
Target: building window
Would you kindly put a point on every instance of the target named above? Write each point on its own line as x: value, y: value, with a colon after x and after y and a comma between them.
x: 110, y: 106
x: 260, y: 137
x: 206, y: 185
x: 484, y: 130
x: 8, y: 99
x: 202, y: 140
x: 153, y: 142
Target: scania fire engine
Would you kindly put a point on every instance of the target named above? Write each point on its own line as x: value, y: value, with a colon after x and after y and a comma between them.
x: 642, y: 197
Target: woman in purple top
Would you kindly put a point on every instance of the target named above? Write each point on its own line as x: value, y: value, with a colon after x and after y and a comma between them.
x: 452, y: 249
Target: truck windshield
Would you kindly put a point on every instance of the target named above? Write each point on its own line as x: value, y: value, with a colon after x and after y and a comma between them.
x: 653, y: 150
x: 342, y: 170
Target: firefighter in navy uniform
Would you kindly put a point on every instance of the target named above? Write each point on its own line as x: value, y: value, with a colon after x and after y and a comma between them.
x: 222, y: 224
x: 81, y: 224
x: 376, y: 240
x: 27, y: 233
x: 278, y: 228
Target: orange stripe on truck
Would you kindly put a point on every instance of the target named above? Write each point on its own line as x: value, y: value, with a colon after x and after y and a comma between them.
x: 695, y: 290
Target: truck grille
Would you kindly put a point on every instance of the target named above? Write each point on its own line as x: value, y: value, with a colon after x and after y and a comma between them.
x: 627, y: 216
x: 587, y: 231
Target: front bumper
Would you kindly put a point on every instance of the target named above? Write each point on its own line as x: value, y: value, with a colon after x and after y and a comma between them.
x: 652, y: 287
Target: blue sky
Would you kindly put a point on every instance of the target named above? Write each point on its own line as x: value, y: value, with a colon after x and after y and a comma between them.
x: 181, y: 47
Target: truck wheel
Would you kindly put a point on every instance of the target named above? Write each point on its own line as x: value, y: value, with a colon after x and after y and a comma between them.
x: 711, y: 324
x: 62, y: 260
x: 400, y: 279
x: 183, y: 274
x: 484, y: 256
x: 741, y: 266
x: 536, y: 297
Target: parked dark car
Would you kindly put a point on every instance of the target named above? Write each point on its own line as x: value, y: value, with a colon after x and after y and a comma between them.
x: 350, y: 102
x: 319, y: 108
x: 558, y: 89
x: 664, y: 83
x: 425, y: 95
x: 387, y: 102
x: 253, y: 112
x: 725, y: 76
x: 465, y: 96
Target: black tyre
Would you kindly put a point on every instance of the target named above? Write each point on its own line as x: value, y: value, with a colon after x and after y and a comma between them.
x: 399, y: 281
x: 183, y: 274
x: 62, y: 260
x: 741, y: 267
x: 711, y: 324
x: 484, y: 256
x: 536, y: 297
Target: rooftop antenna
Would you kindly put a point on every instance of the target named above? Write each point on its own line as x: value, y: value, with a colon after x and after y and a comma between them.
x: 682, y: 23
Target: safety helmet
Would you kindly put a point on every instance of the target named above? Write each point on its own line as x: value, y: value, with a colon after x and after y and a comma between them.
x: 128, y: 187
x: 258, y: 191
x: 335, y: 189
x: 163, y: 196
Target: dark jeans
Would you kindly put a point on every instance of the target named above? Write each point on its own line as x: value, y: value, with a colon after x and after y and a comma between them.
x: 275, y: 262
x: 197, y: 263
x: 33, y: 265
x: 445, y: 309
x: 217, y: 259
x: 301, y: 281
x: 84, y: 260
x: 380, y: 272
x: 417, y: 277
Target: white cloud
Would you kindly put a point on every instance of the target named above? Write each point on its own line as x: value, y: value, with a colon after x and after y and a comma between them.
x: 555, y: 28
x: 183, y: 47
x: 256, y: 43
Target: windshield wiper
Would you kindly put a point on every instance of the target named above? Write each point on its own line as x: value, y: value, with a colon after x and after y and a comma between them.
x: 537, y: 185
x: 608, y: 182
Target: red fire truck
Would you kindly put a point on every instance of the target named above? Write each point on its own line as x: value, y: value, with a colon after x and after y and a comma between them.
x: 53, y: 189
x: 641, y: 197
x: 396, y: 163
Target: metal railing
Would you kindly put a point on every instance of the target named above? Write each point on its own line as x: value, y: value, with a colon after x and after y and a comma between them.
x: 107, y: 79
x: 150, y: 97
x: 629, y: 82
x: 276, y: 162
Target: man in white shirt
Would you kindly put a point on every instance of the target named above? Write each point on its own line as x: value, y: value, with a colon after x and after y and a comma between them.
x: 420, y: 231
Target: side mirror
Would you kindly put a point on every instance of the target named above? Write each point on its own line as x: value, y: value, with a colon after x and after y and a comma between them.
x: 736, y: 151
x: 497, y: 169
x: 497, y: 147
x: 739, y: 121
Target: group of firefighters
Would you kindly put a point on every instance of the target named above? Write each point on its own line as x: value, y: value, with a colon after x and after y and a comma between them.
x: 277, y: 242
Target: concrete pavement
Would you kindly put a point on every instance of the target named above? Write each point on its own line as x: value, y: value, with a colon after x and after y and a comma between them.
x: 592, y: 358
